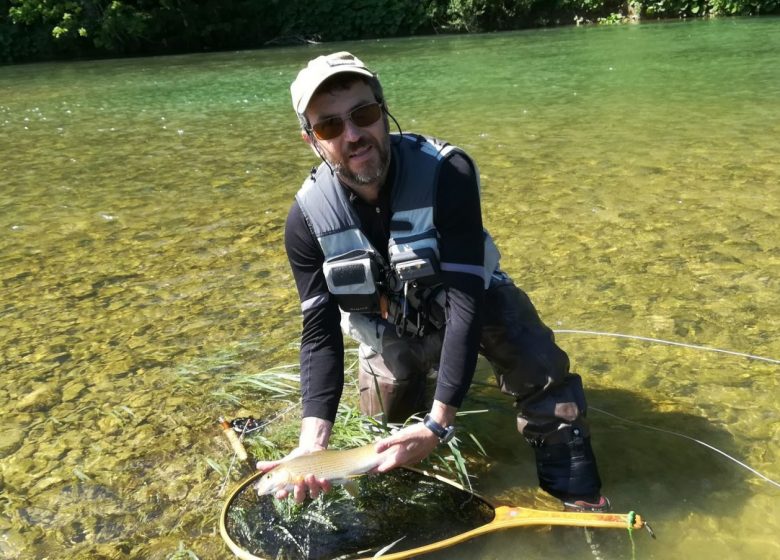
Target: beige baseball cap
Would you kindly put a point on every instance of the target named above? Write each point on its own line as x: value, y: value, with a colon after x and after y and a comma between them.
x: 320, y: 69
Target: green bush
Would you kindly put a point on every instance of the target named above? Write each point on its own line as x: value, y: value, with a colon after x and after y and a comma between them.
x: 45, y: 29
x: 337, y: 20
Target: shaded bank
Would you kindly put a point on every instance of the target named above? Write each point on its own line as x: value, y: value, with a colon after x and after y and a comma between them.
x: 34, y: 31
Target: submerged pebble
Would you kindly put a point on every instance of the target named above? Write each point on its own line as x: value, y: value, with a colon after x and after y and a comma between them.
x: 11, y: 439
x: 42, y: 398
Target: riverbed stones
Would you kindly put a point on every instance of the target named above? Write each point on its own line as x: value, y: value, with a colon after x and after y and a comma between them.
x: 41, y: 398
x: 12, y: 543
x: 72, y: 390
x: 10, y: 440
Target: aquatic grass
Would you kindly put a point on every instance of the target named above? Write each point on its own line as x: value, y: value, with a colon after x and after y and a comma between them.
x: 402, y: 504
x: 220, y: 469
x: 280, y: 382
x: 123, y: 414
x: 315, y: 512
x: 283, y: 440
x: 224, y: 397
x: 229, y: 361
x: 352, y: 428
x: 81, y: 475
x: 183, y: 553
x: 312, y: 517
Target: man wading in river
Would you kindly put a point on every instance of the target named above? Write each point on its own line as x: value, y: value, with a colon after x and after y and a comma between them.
x: 385, y: 240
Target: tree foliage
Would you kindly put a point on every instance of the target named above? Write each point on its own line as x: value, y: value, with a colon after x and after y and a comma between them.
x: 45, y: 29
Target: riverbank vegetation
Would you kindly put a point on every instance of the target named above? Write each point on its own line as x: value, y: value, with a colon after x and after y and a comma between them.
x: 33, y: 30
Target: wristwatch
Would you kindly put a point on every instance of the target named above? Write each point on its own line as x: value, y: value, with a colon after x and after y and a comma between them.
x: 444, y: 434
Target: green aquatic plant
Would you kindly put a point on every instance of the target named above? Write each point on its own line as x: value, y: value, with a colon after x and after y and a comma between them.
x: 315, y: 512
x: 401, y: 506
x: 280, y: 382
x: 183, y: 553
x: 277, y: 388
x: 218, y: 467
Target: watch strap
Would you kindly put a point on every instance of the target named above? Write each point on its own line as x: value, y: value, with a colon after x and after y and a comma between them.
x: 444, y: 434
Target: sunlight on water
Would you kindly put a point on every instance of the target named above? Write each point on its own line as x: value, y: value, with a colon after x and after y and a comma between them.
x: 630, y: 177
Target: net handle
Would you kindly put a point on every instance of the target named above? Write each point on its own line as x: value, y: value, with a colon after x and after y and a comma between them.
x: 510, y: 517
x: 506, y: 517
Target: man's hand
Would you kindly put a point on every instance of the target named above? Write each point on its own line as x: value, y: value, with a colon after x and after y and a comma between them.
x: 315, y: 434
x: 413, y: 443
x: 406, y: 447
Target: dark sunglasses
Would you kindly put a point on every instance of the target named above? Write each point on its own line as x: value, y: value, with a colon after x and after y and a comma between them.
x: 332, y: 127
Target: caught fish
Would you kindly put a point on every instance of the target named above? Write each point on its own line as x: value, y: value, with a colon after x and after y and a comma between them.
x: 336, y: 466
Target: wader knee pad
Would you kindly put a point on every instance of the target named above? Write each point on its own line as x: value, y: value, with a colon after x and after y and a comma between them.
x: 568, y: 470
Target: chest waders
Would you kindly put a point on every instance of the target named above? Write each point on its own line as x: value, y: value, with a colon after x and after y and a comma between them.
x: 395, y: 308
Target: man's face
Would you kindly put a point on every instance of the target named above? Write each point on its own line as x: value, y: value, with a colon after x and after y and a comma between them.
x: 360, y: 155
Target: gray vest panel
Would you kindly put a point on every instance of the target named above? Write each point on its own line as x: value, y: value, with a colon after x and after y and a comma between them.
x: 413, y: 237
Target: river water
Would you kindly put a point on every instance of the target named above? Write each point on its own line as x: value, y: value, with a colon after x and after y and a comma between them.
x: 630, y: 177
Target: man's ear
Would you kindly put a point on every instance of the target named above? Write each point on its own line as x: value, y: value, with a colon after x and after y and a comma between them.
x: 308, y: 137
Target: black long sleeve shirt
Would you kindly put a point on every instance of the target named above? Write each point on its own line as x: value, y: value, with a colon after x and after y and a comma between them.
x: 458, y: 220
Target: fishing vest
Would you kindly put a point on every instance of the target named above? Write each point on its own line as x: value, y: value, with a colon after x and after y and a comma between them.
x: 407, y: 290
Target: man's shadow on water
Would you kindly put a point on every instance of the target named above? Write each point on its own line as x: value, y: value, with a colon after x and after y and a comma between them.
x: 667, y: 479
x: 661, y: 475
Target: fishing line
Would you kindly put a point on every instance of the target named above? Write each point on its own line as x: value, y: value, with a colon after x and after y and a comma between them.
x: 226, y: 479
x: 279, y: 415
x: 669, y: 342
x: 683, y: 345
x: 705, y: 444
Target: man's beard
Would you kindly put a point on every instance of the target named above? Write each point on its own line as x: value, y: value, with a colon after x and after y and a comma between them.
x: 369, y: 176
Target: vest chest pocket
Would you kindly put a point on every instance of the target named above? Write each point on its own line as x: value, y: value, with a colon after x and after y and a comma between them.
x: 353, y: 282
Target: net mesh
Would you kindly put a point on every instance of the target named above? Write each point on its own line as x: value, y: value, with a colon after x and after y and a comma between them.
x: 403, y: 507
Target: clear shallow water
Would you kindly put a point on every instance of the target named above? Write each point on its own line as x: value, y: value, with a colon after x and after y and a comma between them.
x: 630, y: 176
